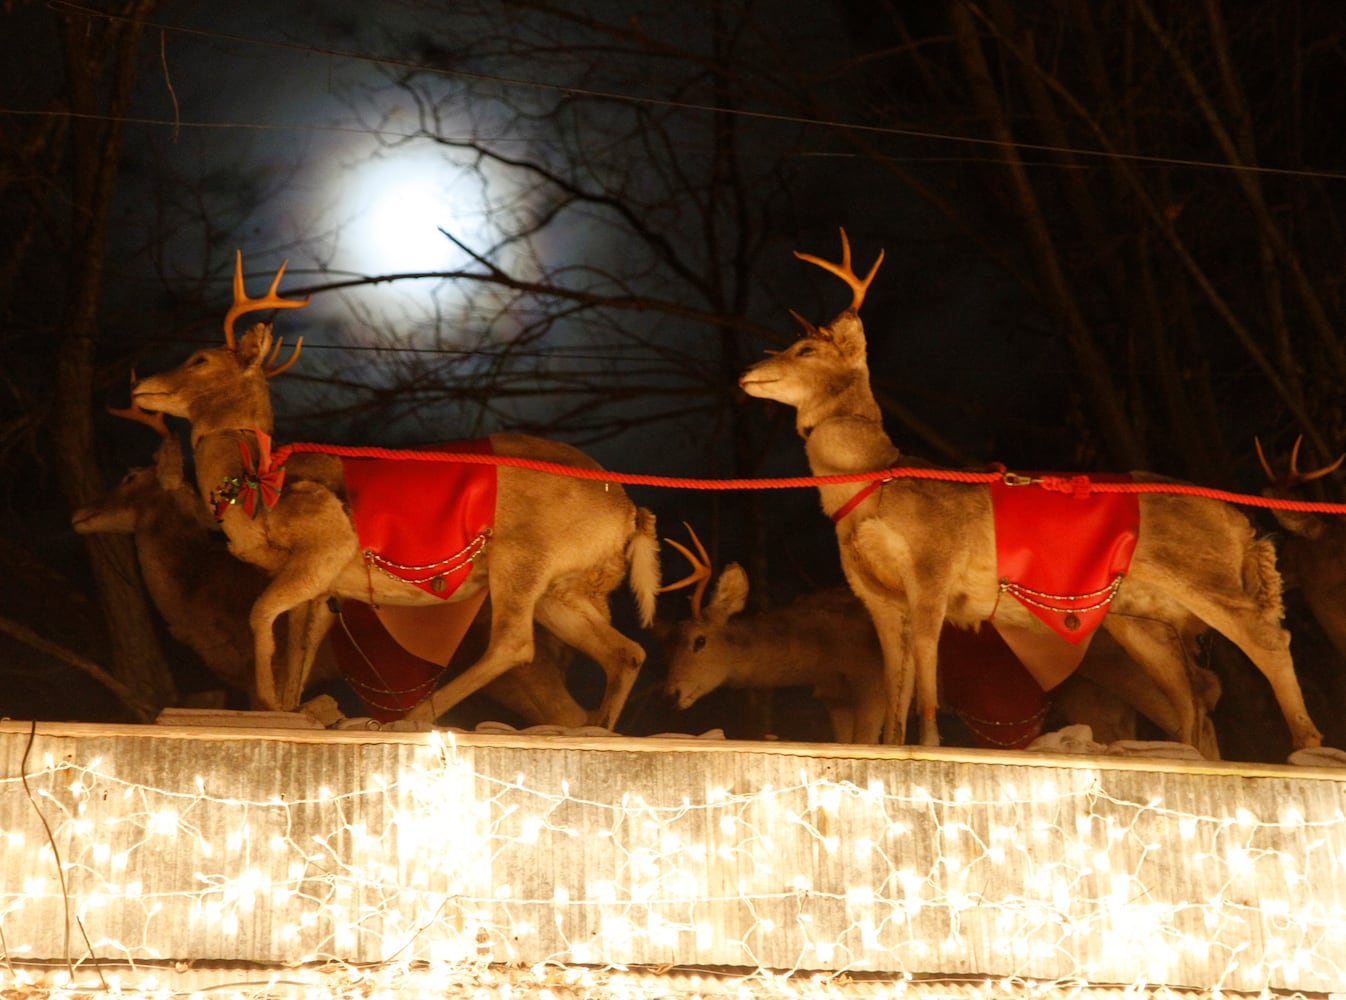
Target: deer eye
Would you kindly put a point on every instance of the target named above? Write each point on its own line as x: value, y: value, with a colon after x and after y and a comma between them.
x: 698, y: 644
x: 804, y: 351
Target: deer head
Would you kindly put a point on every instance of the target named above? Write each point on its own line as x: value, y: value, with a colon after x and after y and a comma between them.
x: 828, y: 363
x: 211, y: 385
x: 1302, y: 523
x: 702, y: 648
x: 144, y: 492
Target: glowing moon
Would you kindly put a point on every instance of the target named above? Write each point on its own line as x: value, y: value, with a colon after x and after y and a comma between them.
x: 398, y: 204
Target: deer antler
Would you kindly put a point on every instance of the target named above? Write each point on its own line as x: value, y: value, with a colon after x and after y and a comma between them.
x: 859, y: 286
x: 140, y: 415
x: 700, y: 574
x: 271, y: 300
x: 1294, y: 477
x: 270, y: 368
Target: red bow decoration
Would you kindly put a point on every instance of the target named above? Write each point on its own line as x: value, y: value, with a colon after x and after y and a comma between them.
x: 256, y: 481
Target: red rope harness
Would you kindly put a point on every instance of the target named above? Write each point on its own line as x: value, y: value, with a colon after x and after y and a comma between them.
x: 1078, y: 485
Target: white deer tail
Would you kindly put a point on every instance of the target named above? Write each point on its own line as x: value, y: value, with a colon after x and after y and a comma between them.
x: 642, y: 557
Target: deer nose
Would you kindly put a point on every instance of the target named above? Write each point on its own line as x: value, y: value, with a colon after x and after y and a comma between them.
x: 679, y: 698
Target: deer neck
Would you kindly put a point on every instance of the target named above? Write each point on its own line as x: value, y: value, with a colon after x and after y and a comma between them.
x: 219, y: 459
x: 779, y: 651
x: 244, y: 404
x: 843, y: 430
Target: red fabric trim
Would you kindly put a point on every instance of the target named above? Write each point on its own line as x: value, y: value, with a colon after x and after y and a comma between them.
x: 1058, y: 553
x: 856, y: 500
x: 387, y: 679
x: 422, y: 521
x: 986, y: 686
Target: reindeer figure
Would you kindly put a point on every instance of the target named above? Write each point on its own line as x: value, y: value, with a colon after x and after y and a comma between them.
x: 818, y: 641
x: 919, y: 552
x: 1314, y: 550
x: 826, y: 640
x: 558, y: 545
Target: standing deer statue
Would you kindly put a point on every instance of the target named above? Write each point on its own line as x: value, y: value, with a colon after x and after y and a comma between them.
x: 920, y: 551
x: 826, y: 640
x: 1314, y: 550
x: 552, y: 551
x: 205, y: 595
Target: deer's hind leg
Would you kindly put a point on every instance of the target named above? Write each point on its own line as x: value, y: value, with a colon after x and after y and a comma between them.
x: 1248, y: 612
x: 510, y: 645
x: 584, y: 623
x: 1159, y: 649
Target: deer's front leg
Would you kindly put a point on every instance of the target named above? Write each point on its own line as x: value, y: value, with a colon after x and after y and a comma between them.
x: 263, y: 622
x: 890, y: 625
x: 306, y: 627
x: 924, y: 628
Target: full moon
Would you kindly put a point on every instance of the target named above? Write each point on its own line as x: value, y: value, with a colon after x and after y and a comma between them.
x: 398, y: 204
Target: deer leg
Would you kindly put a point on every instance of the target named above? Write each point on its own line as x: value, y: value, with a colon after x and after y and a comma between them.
x: 537, y: 691
x: 842, y: 716
x: 868, y: 712
x: 581, y: 623
x: 898, y: 674
x: 1276, y: 664
x: 1158, y: 648
x: 510, y: 644
x: 303, y: 578
x: 1257, y: 631
x: 923, y: 652
x: 306, y: 626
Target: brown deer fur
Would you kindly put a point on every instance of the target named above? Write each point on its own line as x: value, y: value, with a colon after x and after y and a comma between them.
x: 202, y: 592
x: 918, y: 552
x: 825, y: 640
x: 560, y: 544
x: 1314, y: 549
x: 205, y: 595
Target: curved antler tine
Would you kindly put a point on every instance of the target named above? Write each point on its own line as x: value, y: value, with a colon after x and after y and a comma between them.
x: 700, y: 574
x: 1326, y: 470
x: 858, y: 286
x: 243, y: 304
x: 135, y: 412
x: 1294, y: 459
x: 1294, y: 477
x: 810, y: 330
x: 1262, y: 457
x: 271, y: 369
x: 1307, y: 477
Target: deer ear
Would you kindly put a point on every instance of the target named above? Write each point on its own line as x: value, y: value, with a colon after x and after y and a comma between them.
x: 254, y: 345
x: 731, y: 594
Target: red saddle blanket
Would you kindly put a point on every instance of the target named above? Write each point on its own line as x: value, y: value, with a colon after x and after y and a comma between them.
x: 423, y: 522
x: 1061, y: 555
x: 388, y: 674
x: 985, y: 685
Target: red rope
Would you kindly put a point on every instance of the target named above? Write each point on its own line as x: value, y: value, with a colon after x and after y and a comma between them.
x: 1079, y: 485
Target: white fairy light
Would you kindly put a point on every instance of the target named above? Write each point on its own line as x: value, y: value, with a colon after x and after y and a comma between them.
x: 436, y: 863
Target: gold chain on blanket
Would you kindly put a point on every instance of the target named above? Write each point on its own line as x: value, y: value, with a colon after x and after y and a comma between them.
x: 1030, y: 596
x: 436, y: 570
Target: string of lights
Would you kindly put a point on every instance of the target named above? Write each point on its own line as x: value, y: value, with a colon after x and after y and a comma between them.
x: 375, y: 854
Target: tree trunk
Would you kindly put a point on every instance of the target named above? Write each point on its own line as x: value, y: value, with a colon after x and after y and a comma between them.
x: 100, y: 55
